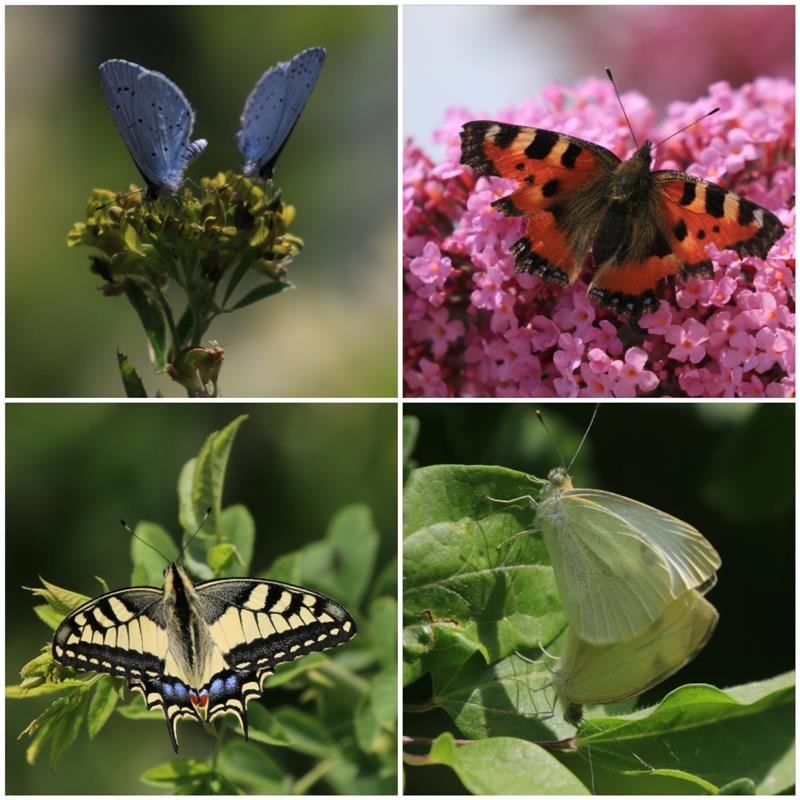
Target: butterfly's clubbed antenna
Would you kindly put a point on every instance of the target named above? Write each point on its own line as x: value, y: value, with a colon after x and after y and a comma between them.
x: 686, y: 127
x: 144, y: 541
x: 585, y: 435
x: 619, y: 100
x: 199, y: 528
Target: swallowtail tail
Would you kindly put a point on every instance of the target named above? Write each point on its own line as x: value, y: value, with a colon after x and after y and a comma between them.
x: 199, y: 651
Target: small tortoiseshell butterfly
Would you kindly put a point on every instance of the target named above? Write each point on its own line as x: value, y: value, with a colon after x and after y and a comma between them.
x: 641, y: 225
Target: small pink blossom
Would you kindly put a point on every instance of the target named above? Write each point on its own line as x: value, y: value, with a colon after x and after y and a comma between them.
x: 688, y: 340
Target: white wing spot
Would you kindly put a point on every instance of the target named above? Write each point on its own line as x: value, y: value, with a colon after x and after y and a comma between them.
x: 258, y: 598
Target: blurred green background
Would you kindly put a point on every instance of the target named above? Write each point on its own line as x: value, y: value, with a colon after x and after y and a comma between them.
x: 73, y: 470
x: 726, y: 468
x: 333, y: 336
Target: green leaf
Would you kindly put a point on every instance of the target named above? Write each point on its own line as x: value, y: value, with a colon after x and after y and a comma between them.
x: 149, y: 551
x: 383, y: 698
x: 253, y: 768
x: 238, y: 527
x: 209, y: 475
x: 511, y: 697
x: 691, y: 733
x: 152, y: 319
x: 471, y: 584
x: 49, y: 616
x: 66, y: 728
x: 178, y: 774
x: 131, y: 381
x: 367, y: 727
x: 102, y: 704
x: 340, y: 565
x: 306, y: 733
x: 60, y: 600
x: 505, y: 766
x: 383, y: 630
x: 286, y: 673
x: 264, y: 727
x: 53, y: 687
x: 224, y: 560
x: 262, y: 292
x: 237, y: 274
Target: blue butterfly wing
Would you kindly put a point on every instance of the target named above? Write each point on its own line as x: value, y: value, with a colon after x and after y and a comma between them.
x: 155, y: 121
x: 273, y: 108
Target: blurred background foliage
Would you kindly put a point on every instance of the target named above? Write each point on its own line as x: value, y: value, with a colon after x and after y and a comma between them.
x: 336, y: 334
x: 74, y: 470
x: 666, y: 52
x: 726, y: 468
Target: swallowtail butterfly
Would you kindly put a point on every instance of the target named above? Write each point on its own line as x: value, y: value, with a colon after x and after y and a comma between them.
x: 199, y: 651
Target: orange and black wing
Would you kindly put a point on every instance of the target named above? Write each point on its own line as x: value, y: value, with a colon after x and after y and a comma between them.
x: 561, y: 190
x: 697, y: 213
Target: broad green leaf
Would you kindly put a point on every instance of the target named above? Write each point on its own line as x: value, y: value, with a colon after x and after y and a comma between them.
x: 471, y: 584
x: 209, y: 473
x: 386, y: 581
x: 152, y: 319
x: 150, y: 549
x: 353, y: 773
x: 239, y: 528
x: 177, y: 774
x: 186, y: 511
x: 103, y: 701
x: 505, y: 766
x: 264, y: 727
x: 306, y: 733
x: 253, y: 768
x: 511, y: 697
x: 693, y: 731
x: 131, y: 381
x: 341, y: 564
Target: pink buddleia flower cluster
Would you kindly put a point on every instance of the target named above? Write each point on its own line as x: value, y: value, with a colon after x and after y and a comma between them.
x: 473, y: 327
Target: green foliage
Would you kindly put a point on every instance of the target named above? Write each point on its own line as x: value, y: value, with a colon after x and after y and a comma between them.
x: 478, y: 591
x: 198, y: 247
x: 344, y: 721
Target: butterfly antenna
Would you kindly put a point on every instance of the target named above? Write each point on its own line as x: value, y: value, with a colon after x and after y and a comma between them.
x: 199, y: 527
x: 585, y: 435
x: 119, y: 197
x: 619, y: 100
x: 686, y: 127
x: 144, y: 541
x: 552, y: 438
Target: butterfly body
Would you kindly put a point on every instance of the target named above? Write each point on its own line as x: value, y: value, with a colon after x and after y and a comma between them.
x: 642, y: 226
x: 617, y: 563
x: 155, y: 121
x: 202, y: 650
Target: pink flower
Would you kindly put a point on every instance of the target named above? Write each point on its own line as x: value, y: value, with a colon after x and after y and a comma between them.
x: 688, y: 340
x: 472, y: 326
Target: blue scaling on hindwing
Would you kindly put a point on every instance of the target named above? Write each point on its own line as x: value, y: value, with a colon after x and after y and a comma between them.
x: 273, y: 108
x: 155, y: 121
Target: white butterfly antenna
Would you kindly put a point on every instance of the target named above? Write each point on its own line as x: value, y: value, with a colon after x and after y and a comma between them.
x: 585, y: 435
x: 540, y: 417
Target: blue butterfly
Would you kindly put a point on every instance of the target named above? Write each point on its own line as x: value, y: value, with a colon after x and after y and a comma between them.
x: 273, y: 108
x: 155, y: 121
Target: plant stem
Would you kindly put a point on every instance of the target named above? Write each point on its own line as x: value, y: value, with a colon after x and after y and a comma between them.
x: 303, y: 784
